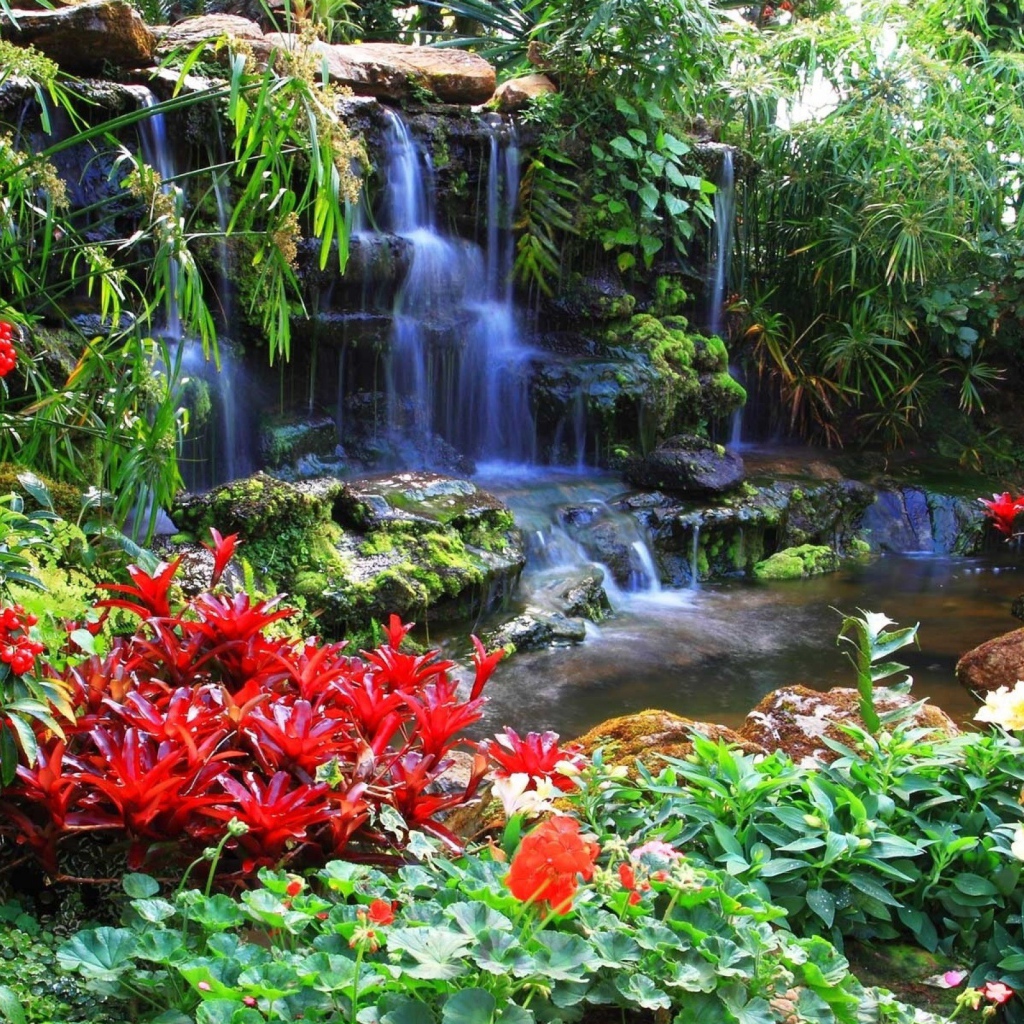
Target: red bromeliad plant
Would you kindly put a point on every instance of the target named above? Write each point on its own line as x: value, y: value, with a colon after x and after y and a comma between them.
x: 1003, y: 511
x: 200, y: 718
x: 536, y: 754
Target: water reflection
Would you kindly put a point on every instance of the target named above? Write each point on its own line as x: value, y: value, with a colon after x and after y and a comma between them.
x: 713, y: 653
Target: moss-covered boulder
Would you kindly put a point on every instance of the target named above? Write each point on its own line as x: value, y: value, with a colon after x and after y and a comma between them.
x: 796, y: 719
x: 66, y: 499
x: 420, y: 545
x: 798, y: 563
x: 647, y: 735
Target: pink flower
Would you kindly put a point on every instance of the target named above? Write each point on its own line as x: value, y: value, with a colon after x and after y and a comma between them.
x: 656, y: 849
x: 953, y: 978
x: 997, y: 992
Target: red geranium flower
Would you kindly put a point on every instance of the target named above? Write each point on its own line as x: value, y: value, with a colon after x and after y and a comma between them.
x: 548, y: 861
x: 381, y: 912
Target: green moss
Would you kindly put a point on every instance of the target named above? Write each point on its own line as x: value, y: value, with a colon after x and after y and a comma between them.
x: 380, y: 542
x: 797, y: 563
x: 858, y: 548
x: 310, y: 584
x: 711, y: 355
x: 669, y: 295
x: 67, y: 500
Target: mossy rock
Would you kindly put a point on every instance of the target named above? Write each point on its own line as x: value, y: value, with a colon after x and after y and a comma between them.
x: 287, y: 441
x: 66, y: 498
x: 798, y: 563
x: 257, y: 506
x: 648, y: 735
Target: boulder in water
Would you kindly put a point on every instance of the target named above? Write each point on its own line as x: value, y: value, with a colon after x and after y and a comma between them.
x: 997, y: 662
x: 796, y: 719
x: 687, y: 464
x: 84, y: 37
x: 536, y: 629
x: 286, y: 441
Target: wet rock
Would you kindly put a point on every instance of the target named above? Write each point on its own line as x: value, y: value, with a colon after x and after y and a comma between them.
x: 687, y: 464
x: 517, y: 93
x: 186, y: 35
x: 535, y: 630
x: 910, y: 519
x: 584, y: 596
x: 997, y: 662
x: 85, y: 37
x: 647, y: 735
x: 798, y: 563
x: 377, y: 263
x: 796, y: 719
x: 598, y: 297
x: 287, y: 441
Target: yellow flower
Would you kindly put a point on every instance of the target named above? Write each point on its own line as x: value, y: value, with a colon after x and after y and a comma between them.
x: 1004, y: 707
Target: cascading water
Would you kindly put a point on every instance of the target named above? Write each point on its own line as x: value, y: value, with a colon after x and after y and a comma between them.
x: 216, y: 448
x: 721, y: 243
x: 457, y: 365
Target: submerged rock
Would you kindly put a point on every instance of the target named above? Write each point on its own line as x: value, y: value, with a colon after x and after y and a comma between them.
x: 911, y: 519
x: 648, y: 735
x: 85, y: 37
x: 798, y: 563
x: 687, y: 464
x: 997, y: 662
x: 287, y: 441
x: 796, y: 719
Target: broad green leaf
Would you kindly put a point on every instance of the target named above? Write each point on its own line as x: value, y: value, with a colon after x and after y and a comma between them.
x: 641, y: 990
x: 974, y: 885
x: 470, y: 1006
x: 562, y: 957
x: 474, y: 918
x: 154, y: 911
x: 823, y: 904
x: 437, y: 952
x: 98, y: 952
x: 615, y: 949
x: 624, y: 147
x: 649, y: 196
x: 10, y: 1006
x: 400, y: 1009
x: 676, y: 146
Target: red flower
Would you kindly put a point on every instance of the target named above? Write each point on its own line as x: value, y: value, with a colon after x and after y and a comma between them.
x: 222, y: 549
x: 381, y: 912
x: 1003, y: 510
x: 295, y: 886
x: 627, y: 876
x: 997, y: 992
x: 548, y: 861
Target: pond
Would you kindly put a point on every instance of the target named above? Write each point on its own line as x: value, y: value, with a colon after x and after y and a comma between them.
x: 712, y: 652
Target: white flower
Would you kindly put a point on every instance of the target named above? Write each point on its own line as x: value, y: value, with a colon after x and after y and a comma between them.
x: 517, y: 797
x: 1017, y: 846
x: 1004, y: 707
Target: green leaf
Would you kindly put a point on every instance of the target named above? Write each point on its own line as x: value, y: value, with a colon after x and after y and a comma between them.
x: 615, y: 949
x: 641, y: 991
x: 974, y: 885
x: 823, y: 904
x: 625, y: 108
x: 474, y: 918
x: 10, y: 1006
x: 624, y: 147
x: 649, y: 196
x: 35, y: 487
x: 638, y: 135
x: 470, y: 1006
x: 676, y: 146
x: 403, y: 1010
x: 98, y: 952
x: 154, y: 911
x: 675, y: 206
x: 139, y: 887
x: 437, y: 952
x: 9, y: 755
x: 561, y: 957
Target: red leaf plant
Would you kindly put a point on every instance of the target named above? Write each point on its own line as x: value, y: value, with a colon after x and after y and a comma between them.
x: 536, y: 754
x: 1003, y: 511
x: 200, y: 717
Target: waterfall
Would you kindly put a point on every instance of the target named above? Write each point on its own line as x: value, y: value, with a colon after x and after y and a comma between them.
x: 217, y: 447
x: 695, y: 557
x: 458, y: 367
x: 157, y: 152
x: 721, y: 243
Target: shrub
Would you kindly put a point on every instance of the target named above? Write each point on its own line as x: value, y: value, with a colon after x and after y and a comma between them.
x: 200, y: 718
